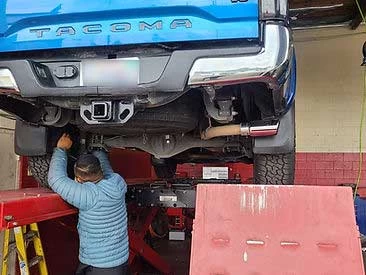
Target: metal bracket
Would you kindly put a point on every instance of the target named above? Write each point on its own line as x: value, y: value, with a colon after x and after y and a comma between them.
x: 180, y: 193
x: 224, y: 113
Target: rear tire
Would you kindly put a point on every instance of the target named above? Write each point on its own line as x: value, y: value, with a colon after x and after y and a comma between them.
x: 274, y: 169
x: 39, y: 166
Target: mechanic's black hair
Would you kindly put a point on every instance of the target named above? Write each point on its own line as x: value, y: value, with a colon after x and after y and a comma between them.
x: 87, y: 168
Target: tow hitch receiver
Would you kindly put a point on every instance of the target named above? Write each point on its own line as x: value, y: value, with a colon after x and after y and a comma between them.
x: 106, y: 112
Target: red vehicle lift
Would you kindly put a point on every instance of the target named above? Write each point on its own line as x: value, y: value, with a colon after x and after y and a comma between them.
x: 31, y: 205
x: 139, y: 248
x: 238, y: 229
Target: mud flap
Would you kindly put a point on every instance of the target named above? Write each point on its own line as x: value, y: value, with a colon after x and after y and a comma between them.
x: 30, y: 140
x: 283, y: 142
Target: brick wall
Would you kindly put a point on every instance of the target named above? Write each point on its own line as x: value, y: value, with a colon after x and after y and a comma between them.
x: 328, y: 168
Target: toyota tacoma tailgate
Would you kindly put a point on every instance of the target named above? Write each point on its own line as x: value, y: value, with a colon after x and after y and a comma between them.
x: 59, y: 24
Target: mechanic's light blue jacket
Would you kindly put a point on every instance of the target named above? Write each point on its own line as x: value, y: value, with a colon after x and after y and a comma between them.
x: 102, y: 222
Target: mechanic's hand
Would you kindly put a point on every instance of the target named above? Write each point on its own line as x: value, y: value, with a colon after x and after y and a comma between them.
x: 64, y: 142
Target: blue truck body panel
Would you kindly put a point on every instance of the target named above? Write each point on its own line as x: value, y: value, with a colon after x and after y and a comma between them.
x: 46, y: 24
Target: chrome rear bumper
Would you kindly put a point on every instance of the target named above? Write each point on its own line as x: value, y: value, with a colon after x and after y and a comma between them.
x: 268, y: 65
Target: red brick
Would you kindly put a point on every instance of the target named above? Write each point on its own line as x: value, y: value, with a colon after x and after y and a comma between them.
x: 300, y: 180
x: 316, y: 174
x: 350, y: 175
x: 333, y: 156
x: 363, y: 184
x: 311, y: 165
x: 341, y: 181
x: 301, y: 172
x: 328, y: 174
x: 350, y: 156
x: 333, y: 174
x: 305, y: 181
x: 301, y: 156
x: 324, y: 165
x: 356, y: 164
x: 346, y: 165
x: 305, y: 164
x: 325, y: 182
x: 301, y: 164
x: 314, y: 156
x: 338, y: 174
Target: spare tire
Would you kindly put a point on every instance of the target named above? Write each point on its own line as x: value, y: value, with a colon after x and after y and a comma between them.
x: 38, y: 167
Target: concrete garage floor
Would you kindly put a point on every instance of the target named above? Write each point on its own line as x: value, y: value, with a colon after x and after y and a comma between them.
x: 177, y: 253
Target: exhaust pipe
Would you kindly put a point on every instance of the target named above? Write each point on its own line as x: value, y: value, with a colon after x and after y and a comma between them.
x: 240, y: 130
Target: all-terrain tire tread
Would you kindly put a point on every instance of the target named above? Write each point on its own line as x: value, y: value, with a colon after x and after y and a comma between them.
x: 274, y: 169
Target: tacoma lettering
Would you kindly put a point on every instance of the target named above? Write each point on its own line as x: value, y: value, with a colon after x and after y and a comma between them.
x: 65, y: 30
x: 120, y: 27
x: 39, y: 32
x: 92, y: 28
x: 114, y: 27
x: 158, y: 25
x: 181, y: 23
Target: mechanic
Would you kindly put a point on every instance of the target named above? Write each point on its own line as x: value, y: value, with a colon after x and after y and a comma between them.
x: 99, y: 194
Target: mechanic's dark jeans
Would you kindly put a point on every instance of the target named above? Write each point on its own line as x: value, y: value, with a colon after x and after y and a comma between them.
x: 84, y: 269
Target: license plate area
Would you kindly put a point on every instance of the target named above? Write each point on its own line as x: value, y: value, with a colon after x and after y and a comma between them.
x: 113, y: 73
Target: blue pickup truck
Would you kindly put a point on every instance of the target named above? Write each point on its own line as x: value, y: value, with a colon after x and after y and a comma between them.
x: 186, y: 81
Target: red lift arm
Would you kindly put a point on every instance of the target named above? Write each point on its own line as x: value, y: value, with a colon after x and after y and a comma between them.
x: 30, y: 205
x: 33, y: 205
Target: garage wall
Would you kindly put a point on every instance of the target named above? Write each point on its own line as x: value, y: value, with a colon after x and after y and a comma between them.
x: 8, y: 169
x: 8, y: 158
x: 329, y: 90
x: 328, y: 106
